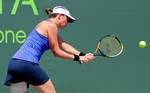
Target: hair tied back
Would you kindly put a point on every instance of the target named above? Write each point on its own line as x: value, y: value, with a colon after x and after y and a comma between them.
x: 48, y: 11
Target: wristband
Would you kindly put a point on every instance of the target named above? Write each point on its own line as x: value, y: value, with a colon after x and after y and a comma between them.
x: 76, y: 58
x: 82, y: 54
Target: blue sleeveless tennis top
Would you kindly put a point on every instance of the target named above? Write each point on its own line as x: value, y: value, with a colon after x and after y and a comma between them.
x: 33, y: 48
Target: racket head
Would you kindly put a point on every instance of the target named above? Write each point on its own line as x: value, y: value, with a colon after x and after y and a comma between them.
x: 109, y: 46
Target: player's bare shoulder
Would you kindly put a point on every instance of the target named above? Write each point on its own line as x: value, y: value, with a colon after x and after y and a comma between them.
x: 43, y: 25
x: 42, y: 28
x: 51, y: 26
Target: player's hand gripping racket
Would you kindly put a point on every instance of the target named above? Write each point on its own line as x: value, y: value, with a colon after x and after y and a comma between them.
x: 109, y: 46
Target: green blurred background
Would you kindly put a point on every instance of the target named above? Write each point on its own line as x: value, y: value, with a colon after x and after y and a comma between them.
x: 128, y: 19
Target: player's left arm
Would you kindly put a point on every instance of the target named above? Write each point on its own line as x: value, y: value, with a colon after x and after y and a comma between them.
x: 70, y: 49
x: 67, y: 47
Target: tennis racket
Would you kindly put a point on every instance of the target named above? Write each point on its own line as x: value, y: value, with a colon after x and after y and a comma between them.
x: 109, y: 46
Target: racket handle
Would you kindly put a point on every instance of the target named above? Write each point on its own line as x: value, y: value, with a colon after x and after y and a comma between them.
x: 97, y: 55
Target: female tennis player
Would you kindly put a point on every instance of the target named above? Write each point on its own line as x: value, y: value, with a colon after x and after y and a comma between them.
x: 24, y: 66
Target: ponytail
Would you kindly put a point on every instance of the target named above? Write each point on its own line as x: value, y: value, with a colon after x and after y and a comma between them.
x: 48, y: 11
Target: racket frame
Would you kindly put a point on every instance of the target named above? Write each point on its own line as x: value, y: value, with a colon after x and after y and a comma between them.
x: 99, y: 49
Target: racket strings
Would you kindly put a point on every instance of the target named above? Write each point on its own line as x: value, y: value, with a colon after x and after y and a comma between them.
x: 110, y: 46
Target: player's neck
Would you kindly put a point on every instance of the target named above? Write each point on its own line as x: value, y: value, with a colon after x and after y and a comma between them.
x: 54, y: 21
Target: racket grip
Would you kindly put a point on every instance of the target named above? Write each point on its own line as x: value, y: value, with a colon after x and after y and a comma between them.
x: 97, y: 55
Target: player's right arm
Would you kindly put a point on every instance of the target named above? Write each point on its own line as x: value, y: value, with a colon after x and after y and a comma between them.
x: 53, y: 43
